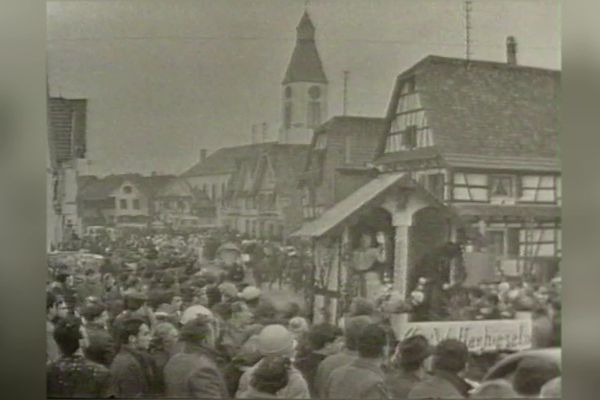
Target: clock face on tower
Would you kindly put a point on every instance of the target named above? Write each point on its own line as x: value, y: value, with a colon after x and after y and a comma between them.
x: 314, y: 92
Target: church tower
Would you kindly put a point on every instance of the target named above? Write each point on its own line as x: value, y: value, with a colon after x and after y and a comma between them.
x: 304, y: 88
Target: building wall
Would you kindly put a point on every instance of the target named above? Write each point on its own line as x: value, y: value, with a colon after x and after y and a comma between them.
x: 213, y: 186
x: 120, y: 195
x: 300, y: 132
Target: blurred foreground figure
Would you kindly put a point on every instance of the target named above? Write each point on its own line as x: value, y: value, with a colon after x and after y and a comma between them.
x: 72, y: 375
x: 194, y: 373
x: 363, y: 378
x: 449, y: 362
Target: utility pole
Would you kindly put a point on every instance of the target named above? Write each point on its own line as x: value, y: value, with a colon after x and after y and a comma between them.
x: 346, y: 73
x: 468, y: 27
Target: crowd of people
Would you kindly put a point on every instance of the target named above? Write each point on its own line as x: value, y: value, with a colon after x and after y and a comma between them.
x: 159, y: 319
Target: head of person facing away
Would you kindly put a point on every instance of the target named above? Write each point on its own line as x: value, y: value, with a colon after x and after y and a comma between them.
x: 372, y: 342
x: 70, y: 335
x: 271, y: 375
x: 450, y: 356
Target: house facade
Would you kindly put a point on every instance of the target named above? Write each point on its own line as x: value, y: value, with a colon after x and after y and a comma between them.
x: 67, y: 151
x: 339, y: 161
x: 468, y: 156
x: 263, y: 201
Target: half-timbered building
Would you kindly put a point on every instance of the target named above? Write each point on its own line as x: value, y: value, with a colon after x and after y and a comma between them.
x: 468, y: 155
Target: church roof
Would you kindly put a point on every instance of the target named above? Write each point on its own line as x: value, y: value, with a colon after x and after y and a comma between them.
x: 305, y: 64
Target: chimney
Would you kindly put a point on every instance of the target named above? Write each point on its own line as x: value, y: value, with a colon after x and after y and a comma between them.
x: 511, y: 50
x: 202, y: 155
x: 264, y: 132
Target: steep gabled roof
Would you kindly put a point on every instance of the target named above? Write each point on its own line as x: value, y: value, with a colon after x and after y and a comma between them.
x: 486, y: 109
x: 223, y: 161
x: 305, y: 64
x: 286, y: 160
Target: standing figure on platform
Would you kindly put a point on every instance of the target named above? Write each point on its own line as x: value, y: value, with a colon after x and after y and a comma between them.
x: 364, y: 264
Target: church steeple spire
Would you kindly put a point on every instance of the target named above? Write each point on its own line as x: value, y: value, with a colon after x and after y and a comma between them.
x: 305, y: 29
x: 304, y: 88
x: 305, y: 64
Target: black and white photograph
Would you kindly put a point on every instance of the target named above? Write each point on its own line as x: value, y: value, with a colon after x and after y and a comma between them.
x: 303, y: 199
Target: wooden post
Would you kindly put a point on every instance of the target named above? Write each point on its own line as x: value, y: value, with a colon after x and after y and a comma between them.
x: 401, y: 259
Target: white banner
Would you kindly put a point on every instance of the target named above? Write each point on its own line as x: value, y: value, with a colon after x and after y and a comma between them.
x: 478, y: 336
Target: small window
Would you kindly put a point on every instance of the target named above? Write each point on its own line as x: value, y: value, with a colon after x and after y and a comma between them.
x: 501, y: 186
x: 123, y: 204
x: 409, y: 137
x: 288, y: 92
x: 127, y: 189
x: 136, y: 204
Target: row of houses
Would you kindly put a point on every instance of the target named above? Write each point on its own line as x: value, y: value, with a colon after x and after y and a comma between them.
x: 467, y: 152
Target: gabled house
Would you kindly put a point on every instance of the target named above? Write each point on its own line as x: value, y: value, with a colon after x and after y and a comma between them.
x: 339, y: 161
x: 262, y: 200
x: 468, y: 155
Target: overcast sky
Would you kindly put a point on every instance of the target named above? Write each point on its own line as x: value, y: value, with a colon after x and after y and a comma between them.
x: 165, y: 78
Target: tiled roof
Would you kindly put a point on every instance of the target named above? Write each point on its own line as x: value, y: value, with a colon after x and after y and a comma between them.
x: 93, y: 188
x: 488, y: 109
x: 287, y: 161
x: 305, y: 64
x: 223, y: 160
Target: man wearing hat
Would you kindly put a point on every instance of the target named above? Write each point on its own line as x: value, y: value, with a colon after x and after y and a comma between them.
x: 229, y: 256
x: 409, y: 366
x: 276, y: 340
x: 194, y: 373
x: 449, y: 362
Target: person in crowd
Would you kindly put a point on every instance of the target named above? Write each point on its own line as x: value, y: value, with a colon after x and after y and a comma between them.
x: 63, y: 287
x: 269, y: 378
x: 72, y: 375
x: 229, y: 255
x: 133, y: 371
x: 449, y: 362
x: 552, y: 389
x: 91, y: 285
x: 363, y: 378
x: 251, y: 296
x: 531, y: 374
x: 194, y: 373
x: 135, y: 306
x: 52, y: 312
x: 362, y: 306
x: 163, y: 344
x: 495, y: 389
x: 299, y: 327
x: 277, y: 340
x: 102, y: 347
x: 352, y: 330
x: 408, y: 366
x: 323, y: 341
